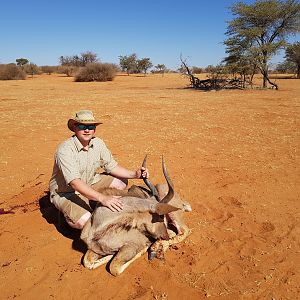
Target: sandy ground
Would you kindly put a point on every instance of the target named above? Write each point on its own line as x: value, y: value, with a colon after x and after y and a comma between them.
x: 233, y: 154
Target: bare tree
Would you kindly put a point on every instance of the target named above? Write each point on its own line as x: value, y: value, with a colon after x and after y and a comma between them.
x: 88, y: 58
x: 79, y: 61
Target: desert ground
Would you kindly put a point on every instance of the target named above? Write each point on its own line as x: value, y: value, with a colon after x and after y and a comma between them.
x: 234, y: 155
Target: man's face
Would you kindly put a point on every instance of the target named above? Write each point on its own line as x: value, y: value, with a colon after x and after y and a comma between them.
x: 84, y: 132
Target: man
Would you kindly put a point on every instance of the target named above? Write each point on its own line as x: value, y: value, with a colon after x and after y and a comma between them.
x: 74, y: 179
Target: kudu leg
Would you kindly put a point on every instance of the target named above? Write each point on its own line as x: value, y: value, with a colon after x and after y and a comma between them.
x: 92, y: 260
x: 126, y: 255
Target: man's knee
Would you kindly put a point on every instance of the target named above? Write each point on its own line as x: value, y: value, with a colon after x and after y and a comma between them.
x: 120, y: 184
x: 81, y: 222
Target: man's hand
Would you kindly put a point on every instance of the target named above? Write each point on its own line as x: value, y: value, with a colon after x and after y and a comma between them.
x: 114, y: 203
x: 142, y: 173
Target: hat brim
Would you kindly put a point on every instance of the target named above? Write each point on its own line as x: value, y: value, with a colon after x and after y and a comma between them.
x: 72, y: 122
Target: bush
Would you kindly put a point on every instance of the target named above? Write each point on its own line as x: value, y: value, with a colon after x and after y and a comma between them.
x: 68, y: 70
x: 197, y: 70
x: 48, y: 69
x: 11, y: 72
x: 31, y: 69
x: 96, y: 72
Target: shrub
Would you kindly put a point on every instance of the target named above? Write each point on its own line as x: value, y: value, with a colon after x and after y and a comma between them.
x: 96, y: 72
x: 31, y: 69
x: 11, y: 72
x: 68, y: 70
x: 48, y: 69
x: 197, y: 70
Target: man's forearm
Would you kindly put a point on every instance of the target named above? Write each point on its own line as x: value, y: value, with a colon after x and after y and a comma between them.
x: 121, y: 172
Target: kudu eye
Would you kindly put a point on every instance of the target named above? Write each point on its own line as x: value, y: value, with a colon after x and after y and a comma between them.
x: 157, y: 218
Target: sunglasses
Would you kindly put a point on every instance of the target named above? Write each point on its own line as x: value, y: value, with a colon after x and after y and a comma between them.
x: 84, y: 127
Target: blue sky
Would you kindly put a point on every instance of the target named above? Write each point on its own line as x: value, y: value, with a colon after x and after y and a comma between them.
x: 43, y: 30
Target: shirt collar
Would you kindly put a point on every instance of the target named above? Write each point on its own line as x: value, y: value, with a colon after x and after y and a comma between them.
x: 79, y: 146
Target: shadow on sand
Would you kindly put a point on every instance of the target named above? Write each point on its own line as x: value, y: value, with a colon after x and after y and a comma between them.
x: 55, y: 217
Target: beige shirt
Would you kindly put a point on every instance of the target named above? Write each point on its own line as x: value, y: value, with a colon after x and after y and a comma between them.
x: 71, y: 161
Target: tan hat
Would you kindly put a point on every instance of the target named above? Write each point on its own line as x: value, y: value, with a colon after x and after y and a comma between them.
x: 83, y: 117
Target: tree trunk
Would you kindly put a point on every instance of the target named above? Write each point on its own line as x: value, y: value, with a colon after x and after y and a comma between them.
x: 272, y: 83
x: 298, y: 71
x: 264, y: 81
x: 265, y: 69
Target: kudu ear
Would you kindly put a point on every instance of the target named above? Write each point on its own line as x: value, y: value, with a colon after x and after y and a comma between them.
x: 164, y: 208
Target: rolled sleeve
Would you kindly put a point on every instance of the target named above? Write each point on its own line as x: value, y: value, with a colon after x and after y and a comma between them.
x: 107, y: 162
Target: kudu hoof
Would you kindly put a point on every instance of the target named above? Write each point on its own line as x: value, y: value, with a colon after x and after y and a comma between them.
x: 156, y: 251
x: 92, y: 260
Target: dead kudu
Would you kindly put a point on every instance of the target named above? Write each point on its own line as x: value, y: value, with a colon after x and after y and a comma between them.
x: 145, y: 221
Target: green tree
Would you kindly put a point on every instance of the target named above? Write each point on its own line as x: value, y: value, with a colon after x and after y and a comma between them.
x: 161, y: 68
x: 240, y: 61
x: 128, y: 63
x: 262, y: 28
x: 22, y: 61
x: 285, y: 67
x: 292, y: 55
x: 144, y: 64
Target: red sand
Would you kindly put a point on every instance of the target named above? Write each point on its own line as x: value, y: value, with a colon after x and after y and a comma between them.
x: 233, y: 154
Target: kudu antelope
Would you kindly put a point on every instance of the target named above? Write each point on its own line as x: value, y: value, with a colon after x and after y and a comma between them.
x: 124, y: 236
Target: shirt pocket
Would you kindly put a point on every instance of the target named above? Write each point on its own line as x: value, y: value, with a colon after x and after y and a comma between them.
x: 82, y: 166
x: 97, y: 167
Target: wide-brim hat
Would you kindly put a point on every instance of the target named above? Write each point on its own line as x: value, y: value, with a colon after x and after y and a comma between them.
x: 83, y: 117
